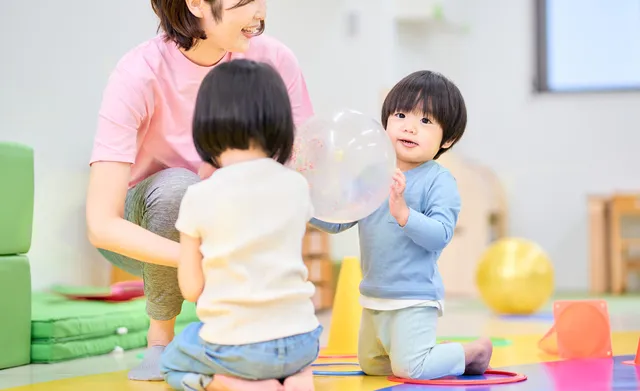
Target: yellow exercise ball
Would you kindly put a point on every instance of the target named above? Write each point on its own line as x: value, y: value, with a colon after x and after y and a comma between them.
x: 515, y: 277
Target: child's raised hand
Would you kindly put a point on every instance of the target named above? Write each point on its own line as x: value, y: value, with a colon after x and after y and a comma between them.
x: 399, y: 184
x: 397, y: 205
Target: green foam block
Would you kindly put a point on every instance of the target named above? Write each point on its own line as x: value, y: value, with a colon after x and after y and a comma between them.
x: 15, y: 305
x: 16, y: 198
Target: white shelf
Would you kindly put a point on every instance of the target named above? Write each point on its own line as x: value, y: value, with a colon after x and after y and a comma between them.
x: 416, y: 10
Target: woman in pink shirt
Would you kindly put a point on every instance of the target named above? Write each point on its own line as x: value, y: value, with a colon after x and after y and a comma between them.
x: 143, y: 157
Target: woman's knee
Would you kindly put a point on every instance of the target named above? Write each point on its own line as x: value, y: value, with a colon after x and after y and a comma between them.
x: 167, y: 188
x: 163, y: 197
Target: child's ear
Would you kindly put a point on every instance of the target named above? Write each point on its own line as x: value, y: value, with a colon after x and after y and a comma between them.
x: 447, y: 144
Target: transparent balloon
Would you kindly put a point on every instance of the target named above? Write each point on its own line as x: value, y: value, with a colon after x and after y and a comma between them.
x: 349, y: 163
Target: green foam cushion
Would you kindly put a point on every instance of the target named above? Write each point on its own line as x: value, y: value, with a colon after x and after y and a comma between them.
x: 15, y: 302
x: 51, y: 351
x: 57, y: 318
x: 16, y: 198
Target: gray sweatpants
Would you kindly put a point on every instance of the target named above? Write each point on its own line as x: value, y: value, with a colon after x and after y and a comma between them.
x: 153, y: 204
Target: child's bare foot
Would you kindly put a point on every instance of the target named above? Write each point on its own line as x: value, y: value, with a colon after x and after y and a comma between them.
x: 477, y: 355
x: 301, y: 381
x: 228, y: 383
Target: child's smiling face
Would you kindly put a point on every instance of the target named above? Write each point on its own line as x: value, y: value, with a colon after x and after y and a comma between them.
x: 415, y: 137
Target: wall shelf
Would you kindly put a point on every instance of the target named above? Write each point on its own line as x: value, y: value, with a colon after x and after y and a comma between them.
x: 417, y: 11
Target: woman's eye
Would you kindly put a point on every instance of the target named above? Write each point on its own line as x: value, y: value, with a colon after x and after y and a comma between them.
x: 399, y: 115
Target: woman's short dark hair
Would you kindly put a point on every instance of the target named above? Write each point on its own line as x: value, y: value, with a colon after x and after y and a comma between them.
x: 243, y: 104
x: 180, y: 25
x: 436, y: 97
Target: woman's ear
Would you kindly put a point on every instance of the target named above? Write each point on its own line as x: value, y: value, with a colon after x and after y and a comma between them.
x: 195, y: 7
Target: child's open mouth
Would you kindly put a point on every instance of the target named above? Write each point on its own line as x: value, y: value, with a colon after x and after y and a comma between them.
x: 408, y: 143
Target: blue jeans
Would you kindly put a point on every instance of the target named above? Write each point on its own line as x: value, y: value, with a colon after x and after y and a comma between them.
x: 403, y: 343
x: 189, y: 363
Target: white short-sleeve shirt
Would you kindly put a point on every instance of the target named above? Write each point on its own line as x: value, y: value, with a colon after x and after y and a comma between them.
x: 251, y: 218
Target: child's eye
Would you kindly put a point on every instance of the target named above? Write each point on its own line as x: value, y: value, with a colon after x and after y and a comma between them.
x: 399, y: 115
x: 426, y: 121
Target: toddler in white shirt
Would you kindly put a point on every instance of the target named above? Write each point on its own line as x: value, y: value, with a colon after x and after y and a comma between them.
x: 241, y: 243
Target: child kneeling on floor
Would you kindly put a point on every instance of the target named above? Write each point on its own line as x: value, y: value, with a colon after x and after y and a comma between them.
x: 241, y: 243
x: 402, y: 291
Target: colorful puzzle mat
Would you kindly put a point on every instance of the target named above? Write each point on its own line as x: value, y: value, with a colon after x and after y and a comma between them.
x: 543, y: 372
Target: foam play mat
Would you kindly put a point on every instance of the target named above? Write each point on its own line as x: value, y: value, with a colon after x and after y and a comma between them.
x: 64, y: 329
x: 543, y: 372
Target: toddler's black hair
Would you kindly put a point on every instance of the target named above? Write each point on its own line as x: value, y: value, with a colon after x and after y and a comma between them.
x: 434, y: 95
x: 243, y: 103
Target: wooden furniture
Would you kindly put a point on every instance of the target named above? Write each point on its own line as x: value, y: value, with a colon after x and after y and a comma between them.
x: 611, y: 246
x: 598, y: 244
x: 316, y: 253
x: 622, y: 261
x: 482, y: 220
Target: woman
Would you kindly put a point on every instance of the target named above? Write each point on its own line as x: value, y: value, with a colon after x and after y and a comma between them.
x: 143, y: 156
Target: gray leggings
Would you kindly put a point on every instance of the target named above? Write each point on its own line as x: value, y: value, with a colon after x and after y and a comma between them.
x: 153, y: 204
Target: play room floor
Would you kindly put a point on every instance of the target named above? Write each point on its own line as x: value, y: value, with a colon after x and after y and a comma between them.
x: 462, y: 318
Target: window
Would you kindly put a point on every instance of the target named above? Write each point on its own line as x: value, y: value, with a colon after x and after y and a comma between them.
x: 588, y: 45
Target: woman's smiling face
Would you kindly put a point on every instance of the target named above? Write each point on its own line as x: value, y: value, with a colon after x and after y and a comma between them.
x: 240, y: 21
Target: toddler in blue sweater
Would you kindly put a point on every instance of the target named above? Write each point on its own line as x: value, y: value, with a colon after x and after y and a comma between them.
x: 402, y: 292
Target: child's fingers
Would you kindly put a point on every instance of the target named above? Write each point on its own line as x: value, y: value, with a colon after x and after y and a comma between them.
x: 399, y: 181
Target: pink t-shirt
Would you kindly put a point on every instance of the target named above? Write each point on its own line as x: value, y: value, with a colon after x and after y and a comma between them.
x: 148, y: 104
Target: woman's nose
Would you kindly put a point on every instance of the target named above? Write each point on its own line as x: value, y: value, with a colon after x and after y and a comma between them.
x: 262, y: 9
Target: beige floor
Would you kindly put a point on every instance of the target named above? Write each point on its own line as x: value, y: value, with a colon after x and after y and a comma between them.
x: 459, y: 320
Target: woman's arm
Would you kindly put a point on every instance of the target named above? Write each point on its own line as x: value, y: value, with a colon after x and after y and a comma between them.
x: 127, y: 103
x: 107, y: 228
x: 190, y: 274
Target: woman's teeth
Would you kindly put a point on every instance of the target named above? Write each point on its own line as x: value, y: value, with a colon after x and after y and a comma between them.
x: 251, y: 30
x: 254, y: 30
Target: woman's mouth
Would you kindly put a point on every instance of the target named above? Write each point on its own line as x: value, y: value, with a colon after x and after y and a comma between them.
x: 254, y: 30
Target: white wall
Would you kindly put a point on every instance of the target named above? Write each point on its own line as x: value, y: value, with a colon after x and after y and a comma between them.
x: 56, y: 58
x: 550, y: 151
